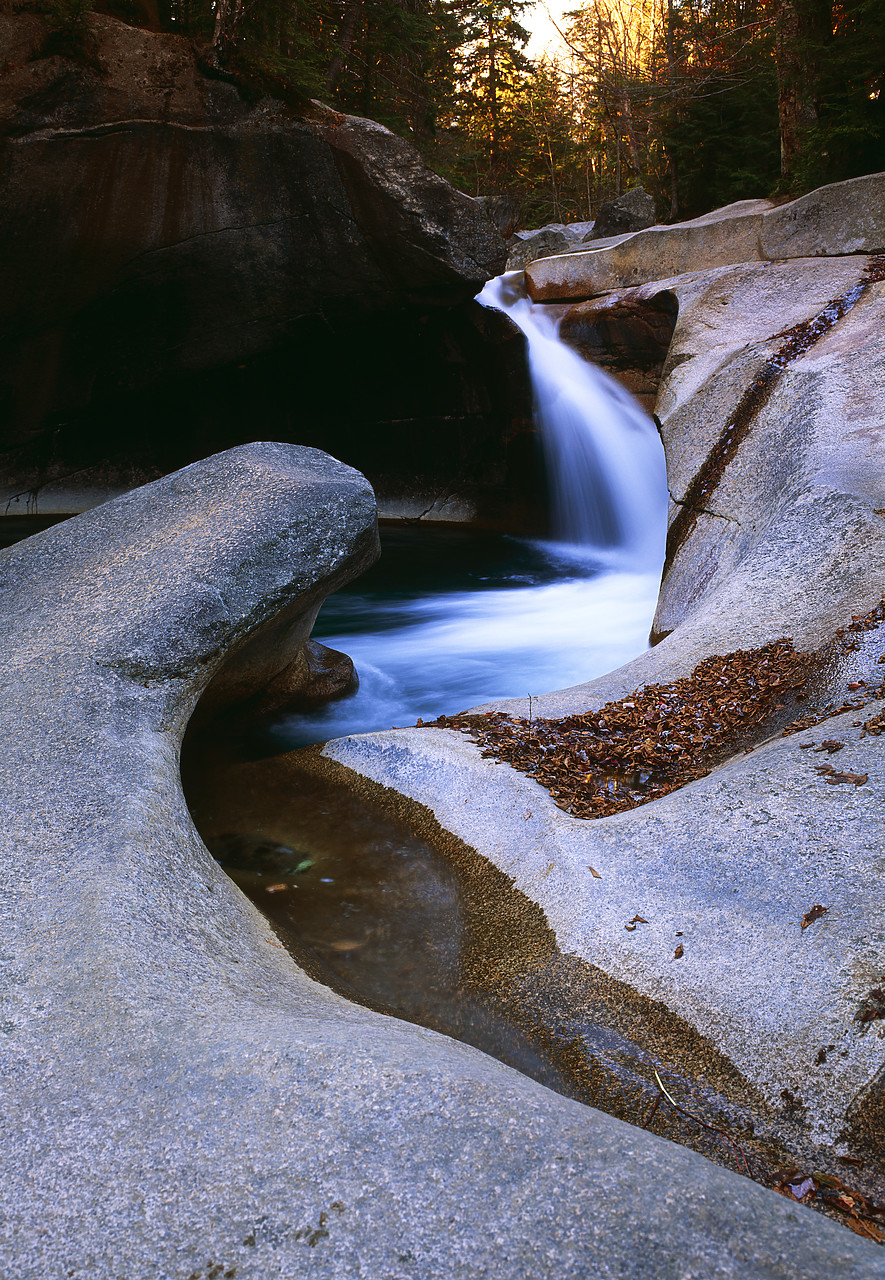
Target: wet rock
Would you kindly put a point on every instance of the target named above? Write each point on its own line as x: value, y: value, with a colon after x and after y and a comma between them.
x: 318, y: 674
x: 627, y: 335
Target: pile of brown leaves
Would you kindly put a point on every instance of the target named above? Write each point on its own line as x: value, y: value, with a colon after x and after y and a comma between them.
x: 651, y: 743
x: 860, y: 622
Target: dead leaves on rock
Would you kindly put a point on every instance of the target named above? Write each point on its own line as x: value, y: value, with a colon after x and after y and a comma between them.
x: 634, y: 922
x: 875, y: 725
x: 814, y: 914
x: 650, y: 743
x: 872, y: 1007
x: 830, y: 775
x: 823, y: 1189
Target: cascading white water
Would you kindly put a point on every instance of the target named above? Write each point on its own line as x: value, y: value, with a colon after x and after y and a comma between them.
x: 604, y: 459
x: 524, y: 616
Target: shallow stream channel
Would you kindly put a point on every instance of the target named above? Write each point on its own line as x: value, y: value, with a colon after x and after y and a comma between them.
x: 370, y: 895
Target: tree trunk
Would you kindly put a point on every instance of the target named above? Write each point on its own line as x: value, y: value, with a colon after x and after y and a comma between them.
x: 493, y: 93
x: 227, y: 15
x: 345, y: 40
x: 796, y: 80
x: 671, y: 76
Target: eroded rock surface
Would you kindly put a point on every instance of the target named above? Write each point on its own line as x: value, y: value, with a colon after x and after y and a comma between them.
x: 781, y: 535
x: 178, y: 1096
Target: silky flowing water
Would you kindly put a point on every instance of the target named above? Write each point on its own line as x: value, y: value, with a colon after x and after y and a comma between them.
x: 369, y: 894
x: 449, y: 619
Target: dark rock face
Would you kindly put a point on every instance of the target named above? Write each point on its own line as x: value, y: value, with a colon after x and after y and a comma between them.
x: 317, y: 674
x: 628, y: 334
x: 633, y: 211
x: 161, y: 236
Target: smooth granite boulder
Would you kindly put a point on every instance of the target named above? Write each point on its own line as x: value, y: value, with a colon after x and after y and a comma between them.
x: 179, y: 1099
x: 632, y: 211
x: 522, y: 250
x: 843, y: 218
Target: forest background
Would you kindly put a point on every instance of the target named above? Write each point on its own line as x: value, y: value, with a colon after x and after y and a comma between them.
x: 702, y: 102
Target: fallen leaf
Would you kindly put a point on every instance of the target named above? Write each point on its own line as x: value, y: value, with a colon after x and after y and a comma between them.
x: 270, y: 942
x: 275, y: 888
x: 594, y: 873
x: 829, y: 744
x: 346, y: 944
x: 799, y: 1190
x: 630, y: 927
x: 814, y: 914
x: 678, y: 953
x: 527, y: 814
x: 857, y: 778
x: 638, y: 920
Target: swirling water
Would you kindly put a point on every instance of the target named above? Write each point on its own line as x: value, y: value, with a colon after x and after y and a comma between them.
x: 450, y: 619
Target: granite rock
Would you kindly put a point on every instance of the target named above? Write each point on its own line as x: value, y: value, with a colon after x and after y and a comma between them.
x: 788, y: 541
x: 179, y: 1098
x: 843, y: 218
x: 632, y: 211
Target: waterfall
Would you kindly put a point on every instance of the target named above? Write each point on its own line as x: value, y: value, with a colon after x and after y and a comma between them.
x: 605, y: 462
x: 452, y: 619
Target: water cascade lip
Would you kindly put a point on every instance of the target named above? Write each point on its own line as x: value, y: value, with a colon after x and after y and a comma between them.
x: 605, y: 461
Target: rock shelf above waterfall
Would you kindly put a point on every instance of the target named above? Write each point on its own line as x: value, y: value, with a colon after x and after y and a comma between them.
x: 844, y: 218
